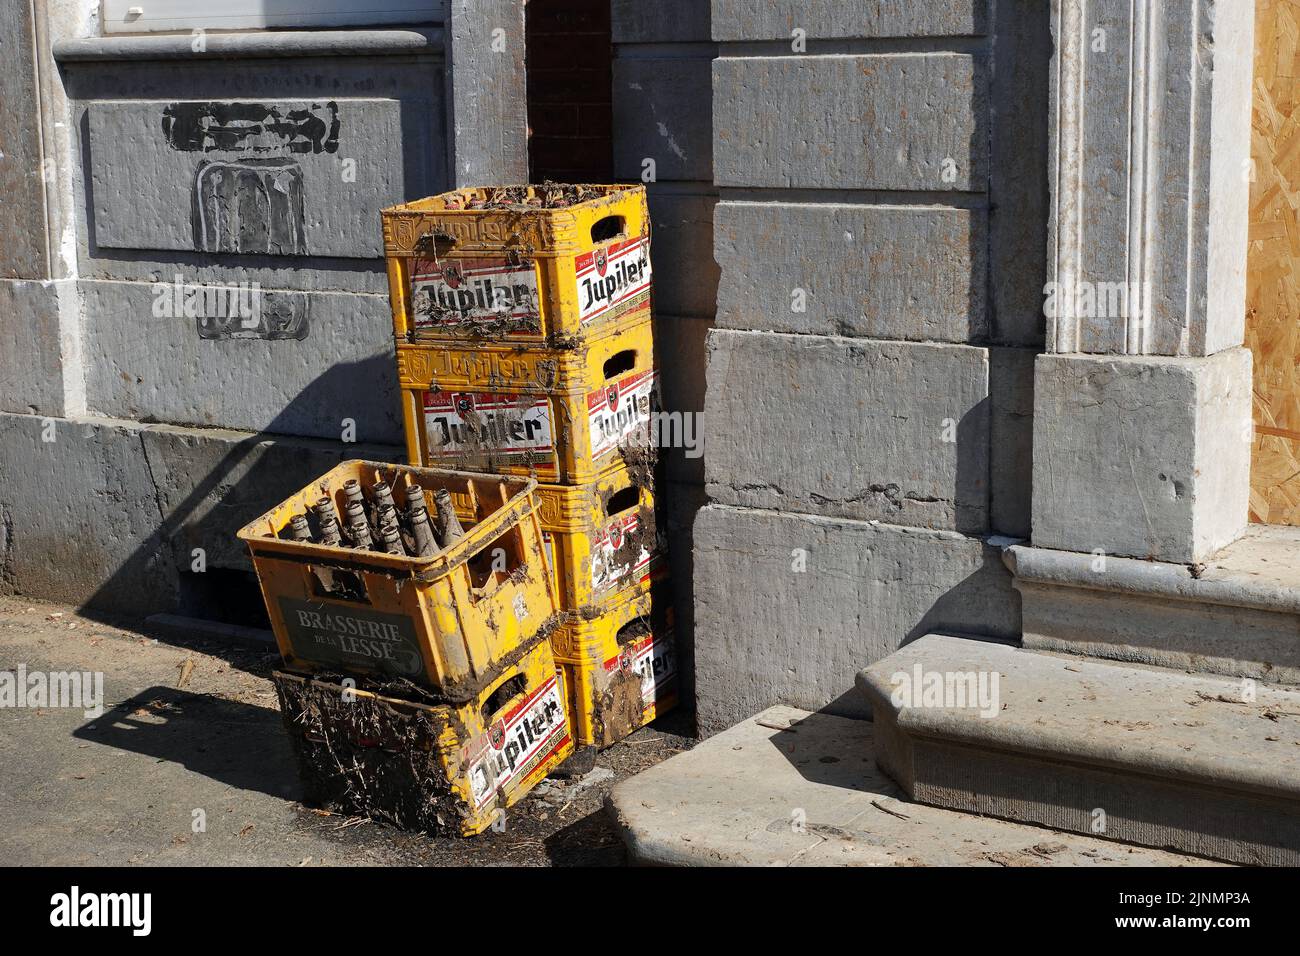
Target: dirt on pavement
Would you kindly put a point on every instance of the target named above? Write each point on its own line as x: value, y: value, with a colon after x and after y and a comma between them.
x: 189, y: 765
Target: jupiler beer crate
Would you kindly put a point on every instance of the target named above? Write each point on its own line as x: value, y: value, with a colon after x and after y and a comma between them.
x: 535, y: 265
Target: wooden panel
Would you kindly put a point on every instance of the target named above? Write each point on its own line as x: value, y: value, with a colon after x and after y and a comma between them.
x: 1273, y: 269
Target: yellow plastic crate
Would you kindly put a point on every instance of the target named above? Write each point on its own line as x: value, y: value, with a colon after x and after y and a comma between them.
x: 601, y: 538
x: 423, y: 764
x: 515, y: 272
x: 449, y: 621
x: 563, y: 416
x: 619, y: 666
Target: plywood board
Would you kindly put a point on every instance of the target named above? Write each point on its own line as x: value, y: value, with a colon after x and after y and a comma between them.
x: 1273, y: 267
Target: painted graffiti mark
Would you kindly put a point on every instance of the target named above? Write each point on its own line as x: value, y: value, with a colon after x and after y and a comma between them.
x: 276, y: 317
x: 249, y: 206
x: 251, y: 127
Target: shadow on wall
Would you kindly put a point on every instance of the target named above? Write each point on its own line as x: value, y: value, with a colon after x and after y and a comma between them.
x: 207, y: 488
x: 973, y: 599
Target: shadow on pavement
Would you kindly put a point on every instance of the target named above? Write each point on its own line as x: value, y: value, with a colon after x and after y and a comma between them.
x: 238, y: 744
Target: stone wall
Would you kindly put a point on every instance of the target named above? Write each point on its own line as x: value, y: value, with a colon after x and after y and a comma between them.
x: 882, y: 183
x: 663, y: 138
x: 194, y: 315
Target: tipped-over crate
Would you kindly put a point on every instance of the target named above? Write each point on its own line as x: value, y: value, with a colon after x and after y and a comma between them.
x: 449, y: 620
x: 424, y: 764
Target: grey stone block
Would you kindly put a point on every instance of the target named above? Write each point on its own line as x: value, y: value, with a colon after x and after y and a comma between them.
x: 1237, y: 616
x: 414, y: 164
x: 489, y: 103
x: 676, y: 505
x: 832, y: 19
x: 903, y: 121
x: 685, y: 273
x: 210, y: 483
x: 106, y: 513
x: 31, y: 357
x: 272, y: 177
x: 1022, y: 55
x: 259, y: 44
x: 1172, y: 760
x: 663, y: 111
x: 1141, y: 456
x: 895, y: 431
x: 172, y: 369
x: 769, y: 633
x: 680, y: 350
x: 79, y: 521
x: 1124, y: 138
x: 852, y: 270
x: 22, y: 214
x: 1207, y: 638
x: 668, y: 21
x: 1011, y: 440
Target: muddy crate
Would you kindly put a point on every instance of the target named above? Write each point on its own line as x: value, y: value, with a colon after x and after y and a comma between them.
x: 540, y: 264
x: 619, y: 664
x: 602, y: 539
x: 394, y: 754
x: 562, y: 416
x: 448, y: 621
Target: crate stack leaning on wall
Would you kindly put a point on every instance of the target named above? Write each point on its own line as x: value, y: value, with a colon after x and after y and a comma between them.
x: 525, y: 347
x: 420, y: 684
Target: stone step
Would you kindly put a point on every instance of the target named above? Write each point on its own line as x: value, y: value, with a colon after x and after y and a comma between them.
x: 793, y: 788
x: 1237, y: 615
x: 1161, y: 758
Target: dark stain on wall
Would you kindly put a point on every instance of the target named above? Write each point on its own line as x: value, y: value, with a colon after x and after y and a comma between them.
x: 271, y: 316
x: 249, y: 206
x: 255, y: 127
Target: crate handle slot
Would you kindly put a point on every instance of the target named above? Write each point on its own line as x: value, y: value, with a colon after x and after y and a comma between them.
x: 611, y: 227
x: 337, y: 584
x: 619, y: 363
x: 485, y: 575
x: 624, y: 500
x: 436, y: 243
x: 500, y: 698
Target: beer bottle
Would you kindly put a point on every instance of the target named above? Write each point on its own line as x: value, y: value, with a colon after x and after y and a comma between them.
x: 359, y: 526
x: 414, y: 499
x: 329, y: 531
x: 449, y: 529
x: 391, y: 538
x: 325, y: 509
x: 299, y: 529
x: 426, y: 541
x: 383, y: 495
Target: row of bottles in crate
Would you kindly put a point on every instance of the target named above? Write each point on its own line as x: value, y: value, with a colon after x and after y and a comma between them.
x: 374, y: 522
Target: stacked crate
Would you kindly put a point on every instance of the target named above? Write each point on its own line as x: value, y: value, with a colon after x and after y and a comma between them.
x: 525, y: 347
x: 420, y: 683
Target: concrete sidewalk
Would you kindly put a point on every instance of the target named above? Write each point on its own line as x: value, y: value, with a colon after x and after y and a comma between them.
x: 202, y: 740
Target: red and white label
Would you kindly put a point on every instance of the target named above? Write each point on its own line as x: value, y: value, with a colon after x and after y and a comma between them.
x: 654, y: 660
x: 609, y: 276
x: 483, y: 422
x: 619, y: 409
x: 518, y: 743
x: 452, y: 291
x: 606, y: 570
